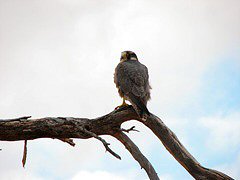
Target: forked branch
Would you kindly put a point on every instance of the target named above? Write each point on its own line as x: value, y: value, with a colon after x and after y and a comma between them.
x: 68, y: 127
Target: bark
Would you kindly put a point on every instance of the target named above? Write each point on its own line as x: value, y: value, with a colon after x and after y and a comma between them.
x: 137, y: 155
x: 64, y: 128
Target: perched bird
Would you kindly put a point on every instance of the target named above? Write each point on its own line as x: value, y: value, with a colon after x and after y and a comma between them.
x: 131, y: 79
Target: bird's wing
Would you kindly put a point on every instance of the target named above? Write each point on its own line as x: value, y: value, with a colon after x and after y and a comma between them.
x: 132, y: 77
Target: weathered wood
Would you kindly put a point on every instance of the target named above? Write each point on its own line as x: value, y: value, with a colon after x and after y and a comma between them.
x: 137, y: 155
x: 68, y: 127
x: 179, y: 152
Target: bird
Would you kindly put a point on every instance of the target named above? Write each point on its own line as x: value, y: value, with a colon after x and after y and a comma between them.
x: 132, y: 81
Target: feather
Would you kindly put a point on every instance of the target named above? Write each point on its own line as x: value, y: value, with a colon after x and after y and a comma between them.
x: 142, y: 109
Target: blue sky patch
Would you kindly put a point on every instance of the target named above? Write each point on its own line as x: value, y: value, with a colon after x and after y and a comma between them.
x: 221, y: 88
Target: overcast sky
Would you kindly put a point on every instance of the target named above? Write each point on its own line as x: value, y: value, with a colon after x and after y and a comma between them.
x: 57, y: 58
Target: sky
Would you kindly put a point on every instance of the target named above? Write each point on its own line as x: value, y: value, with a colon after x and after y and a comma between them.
x: 57, y: 58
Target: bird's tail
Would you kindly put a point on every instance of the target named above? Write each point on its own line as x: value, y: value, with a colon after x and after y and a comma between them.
x: 140, y: 108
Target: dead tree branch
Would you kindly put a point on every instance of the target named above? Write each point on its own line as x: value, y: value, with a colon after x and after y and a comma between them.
x: 69, y: 127
x: 24, y: 153
x: 179, y: 152
x: 67, y: 140
x: 137, y: 155
x: 130, y: 129
x: 106, y: 145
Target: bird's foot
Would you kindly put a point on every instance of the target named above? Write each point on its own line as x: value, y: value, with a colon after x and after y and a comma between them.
x: 124, y: 104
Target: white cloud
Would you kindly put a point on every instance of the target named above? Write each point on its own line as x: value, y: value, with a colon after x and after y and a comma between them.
x: 231, y: 169
x: 19, y: 175
x: 106, y: 175
x: 101, y: 175
x: 57, y: 44
x: 223, y: 131
x: 47, y: 157
x: 166, y: 177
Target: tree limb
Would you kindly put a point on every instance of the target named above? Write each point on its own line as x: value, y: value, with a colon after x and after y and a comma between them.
x: 106, y: 145
x: 137, y: 155
x: 130, y: 129
x: 67, y: 140
x: 68, y: 127
x: 24, y: 153
x: 179, y: 152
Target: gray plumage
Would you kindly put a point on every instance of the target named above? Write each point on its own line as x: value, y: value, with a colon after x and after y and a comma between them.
x: 131, y: 79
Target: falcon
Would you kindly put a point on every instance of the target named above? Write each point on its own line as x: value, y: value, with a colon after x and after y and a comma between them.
x: 131, y: 79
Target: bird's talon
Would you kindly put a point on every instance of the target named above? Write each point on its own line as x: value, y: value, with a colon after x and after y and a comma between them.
x: 124, y: 104
x: 121, y: 106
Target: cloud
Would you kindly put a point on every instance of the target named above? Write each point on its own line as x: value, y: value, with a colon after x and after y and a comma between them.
x: 166, y: 177
x: 105, y: 175
x: 223, y: 131
x: 101, y: 175
x: 64, y: 42
x: 232, y: 169
x: 20, y: 175
x: 47, y: 157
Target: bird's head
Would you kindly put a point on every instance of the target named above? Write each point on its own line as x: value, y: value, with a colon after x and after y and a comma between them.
x: 128, y: 55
